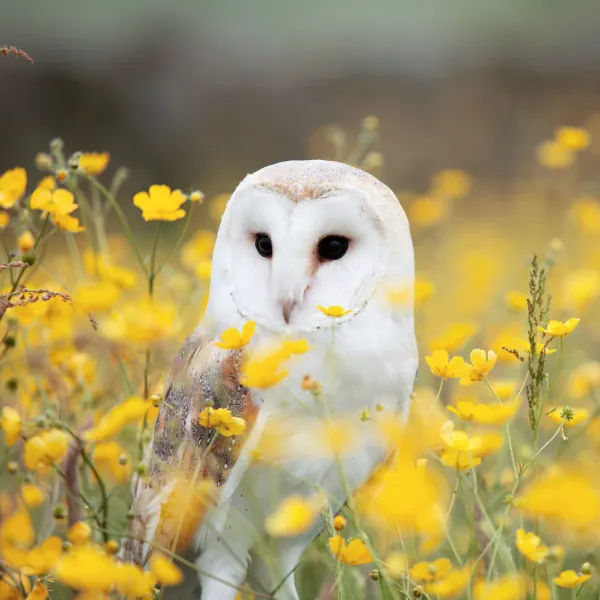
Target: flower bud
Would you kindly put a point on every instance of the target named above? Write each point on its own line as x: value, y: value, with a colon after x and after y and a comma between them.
x: 59, y: 512
x: 374, y: 575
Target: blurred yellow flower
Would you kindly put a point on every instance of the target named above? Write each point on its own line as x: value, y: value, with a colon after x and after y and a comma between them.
x: 573, y: 416
x: 580, y: 288
x: 404, y: 295
x: 460, y: 451
x: 454, y: 338
x: 504, y: 388
x: 584, y: 379
x: 355, y: 553
x: 570, y: 579
x: 47, y: 183
x: 100, y: 266
x: 334, y: 311
x: 54, y: 202
x: 222, y: 420
x: 94, y: 163
x: 233, y: 339
x: 39, y: 591
x: 132, y: 410
x: 46, y: 448
x: 516, y: 300
x: 573, y: 138
x: 295, y: 515
x: 339, y: 522
x: 10, y: 423
x: 451, y: 184
x: 559, y: 329
x: 67, y: 223
x: 141, y: 321
x: 484, y: 414
x: 160, y: 204
x: 442, y: 367
x: 531, y: 547
x: 112, y: 461
x: 585, y: 211
x: 33, y: 495
x: 4, y: 219
x: 217, y: 205
x: 396, y: 564
x: 87, y: 567
x: 79, y: 533
x: 426, y: 211
x: 480, y: 367
x: 430, y: 571
x: 552, y: 155
x: 12, y: 187
x: 198, y: 249
x: 539, y: 346
x: 95, y: 296
x: 165, y: 571
x: 26, y: 242
x: 508, y: 587
x: 196, y: 196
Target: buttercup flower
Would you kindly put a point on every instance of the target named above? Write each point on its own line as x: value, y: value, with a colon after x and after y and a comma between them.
x: 130, y: 411
x: 165, y: 571
x: 454, y: 338
x: 485, y: 414
x: 294, y: 516
x: 570, y: 579
x: 33, y: 495
x: 559, y: 329
x: 460, y: 451
x: 516, y: 300
x: 79, y: 533
x: 94, y: 163
x: 222, y: 420
x: 451, y: 184
x: 12, y: 187
x: 10, y: 423
x: 573, y: 416
x: 355, y: 553
x: 334, y: 311
x: 426, y: 211
x: 573, y: 138
x: 429, y: 571
x: 44, y: 449
x: 55, y: 202
x: 233, y: 339
x: 4, y: 219
x: 160, y: 203
x: 531, y: 547
x: 552, y: 155
x: 26, y: 242
x: 480, y: 366
x: 444, y: 368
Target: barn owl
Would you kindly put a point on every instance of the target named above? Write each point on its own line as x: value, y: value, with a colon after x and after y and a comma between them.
x: 294, y: 236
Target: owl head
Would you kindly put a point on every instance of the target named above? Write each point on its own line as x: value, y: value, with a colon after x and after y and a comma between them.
x: 302, y: 234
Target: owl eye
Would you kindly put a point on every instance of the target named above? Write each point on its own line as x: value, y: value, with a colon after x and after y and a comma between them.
x: 333, y: 247
x: 263, y: 245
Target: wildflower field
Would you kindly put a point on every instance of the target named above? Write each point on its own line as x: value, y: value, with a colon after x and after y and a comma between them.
x: 492, y: 490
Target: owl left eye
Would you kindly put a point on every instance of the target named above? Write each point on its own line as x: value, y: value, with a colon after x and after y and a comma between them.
x: 333, y: 247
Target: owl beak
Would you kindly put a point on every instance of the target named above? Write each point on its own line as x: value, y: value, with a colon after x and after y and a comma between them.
x: 287, y: 306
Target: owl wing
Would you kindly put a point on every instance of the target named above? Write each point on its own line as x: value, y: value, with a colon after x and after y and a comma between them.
x: 188, y: 463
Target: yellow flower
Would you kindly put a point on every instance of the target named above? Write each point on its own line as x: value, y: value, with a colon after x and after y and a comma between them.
x: 559, y: 329
x: 26, y: 242
x: 222, y: 420
x: 47, y: 183
x: 480, y: 366
x: 44, y: 449
x: 430, y: 571
x: 581, y: 287
x: 451, y: 585
x: 509, y: 587
x: 161, y: 204
x: 426, y: 211
x: 130, y: 411
x: 516, y: 300
x: 79, y: 533
x: 585, y: 211
x: 539, y: 346
x: 39, y: 592
x: 355, y: 553
x: 504, y: 388
x: 141, y: 321
x: 196, y: 196
x: 55, y: 202
x: 485, y: 414
x: 217, y: 206
x: 101, y: 267
x: 584, y: 379
x: 531, y: 547
x: 339, y: 523
x: 295, y: 515
x: 12, y: 187
x: 33, y: 495
x: 552, y: 155
x: 87, y: 567
x: 396, y: 565
x: 573, y: 138
x: 165, y: 571
x: 112, y: 461
x: 451, y: 184
x: 10, y: 423
x: 570, y: 579
x: 460, y: 451
x: 198, y: 249
x: 233, y: 339
x: 455, y: 336
x: 573, y: 416
x: 94, y: 163
x: 403, y: 295
x: 67, y: 223
x: 4, y: 219
x: 442, y: 367
x: 334, y: 311
x: 96, y: 296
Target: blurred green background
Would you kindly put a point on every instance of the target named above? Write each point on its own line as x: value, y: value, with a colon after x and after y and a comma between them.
x: 196, y: 94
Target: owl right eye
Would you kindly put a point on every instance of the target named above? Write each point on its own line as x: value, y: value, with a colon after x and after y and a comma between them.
x: 263, y: 245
